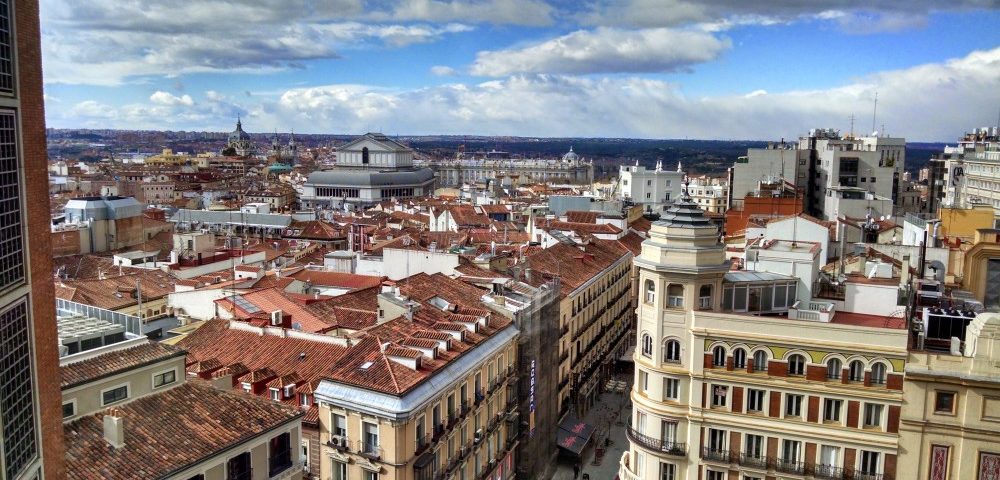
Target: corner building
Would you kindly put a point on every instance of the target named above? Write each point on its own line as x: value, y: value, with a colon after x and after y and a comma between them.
x: 728, y: 396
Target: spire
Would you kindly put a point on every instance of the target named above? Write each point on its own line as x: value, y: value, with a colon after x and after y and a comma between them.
x: 239, y: 124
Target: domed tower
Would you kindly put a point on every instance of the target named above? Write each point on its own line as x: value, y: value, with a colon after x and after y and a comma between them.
x: 571, y: 156
x: 239, y: 143
x: 681, y: 268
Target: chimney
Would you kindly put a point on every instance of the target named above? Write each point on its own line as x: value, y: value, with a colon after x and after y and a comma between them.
x: 114, y: 428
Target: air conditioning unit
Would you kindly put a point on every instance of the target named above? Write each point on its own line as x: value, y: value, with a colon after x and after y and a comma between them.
x: 479, y: 435
x: 276, y: 317
x: 338, y: 441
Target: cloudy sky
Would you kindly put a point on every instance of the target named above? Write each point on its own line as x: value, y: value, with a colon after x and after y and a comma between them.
x: 710, y: 69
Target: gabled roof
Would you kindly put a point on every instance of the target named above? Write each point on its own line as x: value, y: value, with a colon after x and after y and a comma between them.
x: 377, y: 138
x: 114, y: 362
x: 168, y: 431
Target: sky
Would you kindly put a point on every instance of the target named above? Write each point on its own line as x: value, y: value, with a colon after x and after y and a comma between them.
x: 700, y: 69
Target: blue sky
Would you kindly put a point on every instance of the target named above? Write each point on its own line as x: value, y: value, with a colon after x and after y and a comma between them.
x: 729, y: 69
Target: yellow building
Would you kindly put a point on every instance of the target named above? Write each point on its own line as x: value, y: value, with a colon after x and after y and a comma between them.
x: 963, y: 222
x: 800, y: 393
x: 428, y: 394
x: 168, y: 157
x: 951, y: 424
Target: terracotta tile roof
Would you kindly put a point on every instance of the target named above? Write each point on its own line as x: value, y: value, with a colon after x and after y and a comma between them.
x: 580, y: 228
x: 402, y: 352
x: 118, y: 291
x: 168, y: 431
x: 582, y: 217
x: 115, y: 361
x: 315, y: 230
x: 495, y: 208
x: 337, y: 279
x: 468, y: 216
x: 641, y: 224
x: 633, y: 242
x: 572, y: 265
x: 271, y: 299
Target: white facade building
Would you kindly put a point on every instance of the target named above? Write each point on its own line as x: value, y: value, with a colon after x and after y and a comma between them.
x: 654, y: 189
x: 972, y: 170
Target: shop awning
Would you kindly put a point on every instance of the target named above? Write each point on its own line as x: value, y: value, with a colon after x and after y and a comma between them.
x: 573, y: 434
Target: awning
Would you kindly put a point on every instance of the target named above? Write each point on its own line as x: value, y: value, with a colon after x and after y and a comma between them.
x: 573, y: 434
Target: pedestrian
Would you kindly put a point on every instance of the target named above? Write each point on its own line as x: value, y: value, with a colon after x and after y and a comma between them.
x: 576, y: 470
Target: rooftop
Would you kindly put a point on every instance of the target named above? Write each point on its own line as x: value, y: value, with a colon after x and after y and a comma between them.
x: 107, y: 364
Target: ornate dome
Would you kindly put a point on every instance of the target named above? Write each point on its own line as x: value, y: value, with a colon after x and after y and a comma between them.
x: 570, y: 156
x: 238, y: 134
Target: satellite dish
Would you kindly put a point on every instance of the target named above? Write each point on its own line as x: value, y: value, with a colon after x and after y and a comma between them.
x: 881, y: 218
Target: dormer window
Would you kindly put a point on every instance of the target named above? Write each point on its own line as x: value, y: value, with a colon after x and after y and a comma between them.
x: 304, y: 400
x: 274, y: 394
x: 288, y: 390
x: 246, y: 387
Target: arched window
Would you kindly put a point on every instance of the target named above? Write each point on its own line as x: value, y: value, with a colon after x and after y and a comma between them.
x: 364, y: 156
x: 834, y: 368
x: 672, y: 351
x: 719, y: 356
x: 650, y: 291
x: 856, y: 371
x: 878, y: 373
x: 705, y: 297
x: 647, y: 345
x: 760, y: 361
x: 796, y: 365
x: 739, y: 358
x: 675, y: 296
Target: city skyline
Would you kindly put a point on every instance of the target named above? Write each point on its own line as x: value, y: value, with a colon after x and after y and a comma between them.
x: 615, y: 68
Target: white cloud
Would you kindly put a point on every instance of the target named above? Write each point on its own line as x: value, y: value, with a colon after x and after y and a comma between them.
x: 936, y: 101
x: 877, y: 15
x: 605, y: 50
x: 514, y: 12
x: 105, y: 42
x: 164, y: 98
x: 443, y: 71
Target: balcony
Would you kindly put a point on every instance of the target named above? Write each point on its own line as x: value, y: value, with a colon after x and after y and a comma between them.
x: 813, y: 311
x: 871, y: 476
x: 339, y: 443
x: 660, y: 445
x: 624, y: 468
x: 423, y: 442
x: 790, y: 466
x: 369, y: 451
x: 715, y: 455
x: 753, y: 461
x: 829, y: 472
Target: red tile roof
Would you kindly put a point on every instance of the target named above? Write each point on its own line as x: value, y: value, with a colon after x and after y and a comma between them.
x: 114, y: 362
x: 582, y: 217
x: 168, y: 431
x: 572, y: 265
x: 337, y: 279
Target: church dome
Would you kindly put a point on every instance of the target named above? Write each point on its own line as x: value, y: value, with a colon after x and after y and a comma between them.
x: 570, y: 156
x: 238, y: 134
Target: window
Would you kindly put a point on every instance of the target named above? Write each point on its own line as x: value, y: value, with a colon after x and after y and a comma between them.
x: 668, y: 471
x: 793, y: 405
x: 675, y: 296
x: 790, y: 450
x: 739, y: 358
x: 856, y: 371
x: 944, y: 402
x: 338, y: 425
x: 370, y: 475
x: 829, y: 458
x: 647, y: 345
x: 165, y: 378
x: 834, y: 368
x: 719, y: 394
x: 797, y: 365
x: 705, y: 297
x: 754, y: 446
x: 668, y: 432
x: 717, y: 439
x: 650, y: 291
x: 873, y: 415
x: 339, y: 471
x: 869, y: 464
x: 760, y: 361
x: 18, y: 413
x: 369, y: 433
x: 113, y: 395
x: 714, y: 475
x: 364, y: 156
x: 238, y: 467
x: 831, y: 409
x: 305, y: 453
x: 878, y: 374
x: 279, y: 454
x: 671, y: 388
x: 672, y: 351
x: 644, y: 381
x: 755, y: 400
x: 719, y: 356
x: 68, y: 409
x: 274, y: 394
x: 649, y: 183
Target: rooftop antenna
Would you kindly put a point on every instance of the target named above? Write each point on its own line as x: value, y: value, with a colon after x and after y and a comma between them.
x: 874, y: 110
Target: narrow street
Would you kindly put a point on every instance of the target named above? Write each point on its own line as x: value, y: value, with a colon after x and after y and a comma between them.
x: 609, y: 415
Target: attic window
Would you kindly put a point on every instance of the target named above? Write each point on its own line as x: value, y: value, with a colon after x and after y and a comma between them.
x: 274, y: 394
x: 288, y: 390
x: 366, y: 365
